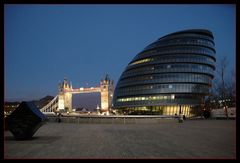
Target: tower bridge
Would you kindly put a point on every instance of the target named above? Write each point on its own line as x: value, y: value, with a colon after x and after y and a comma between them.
x: 63, y: 101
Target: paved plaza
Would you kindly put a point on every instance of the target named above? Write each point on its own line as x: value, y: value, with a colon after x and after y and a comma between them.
x: 192, y: 139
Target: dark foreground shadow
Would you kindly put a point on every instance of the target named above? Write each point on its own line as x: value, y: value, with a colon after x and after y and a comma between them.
x: 35, y: 139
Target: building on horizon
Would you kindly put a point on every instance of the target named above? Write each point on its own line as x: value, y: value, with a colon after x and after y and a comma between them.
x: 170, y: 76
x: 9, y: 107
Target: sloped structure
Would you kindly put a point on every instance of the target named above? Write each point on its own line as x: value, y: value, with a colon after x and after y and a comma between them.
x: 171, y: 75
x: 25, y: 120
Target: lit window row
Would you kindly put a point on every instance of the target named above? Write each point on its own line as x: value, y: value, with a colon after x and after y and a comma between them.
x: 144, y: 98
x: 160, y: 110
x: 187, y: 35
x: 183, y: 41
x: 164, y: 88
x: 11, y: 106
x: 171, y: 68
x: 171, y: 77
x: 142, y: 61
x: 184, y: 49
x: 176, y: 58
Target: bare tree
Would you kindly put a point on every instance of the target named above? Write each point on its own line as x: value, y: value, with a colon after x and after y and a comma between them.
x: 222, y: 85
x: 223, y: 89
x: 200, y: 94
x: 231, y: 89
x: 233, y: 83
x: 223, y: 69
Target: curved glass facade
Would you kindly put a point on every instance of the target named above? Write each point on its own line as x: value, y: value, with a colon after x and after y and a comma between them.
x: 169, y: 76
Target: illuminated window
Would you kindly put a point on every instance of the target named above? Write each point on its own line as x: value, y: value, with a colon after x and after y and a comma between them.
x: 142, y: 61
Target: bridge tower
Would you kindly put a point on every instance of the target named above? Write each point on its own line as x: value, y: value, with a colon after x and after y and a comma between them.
x: 65, y: 97
x: 107, y: 90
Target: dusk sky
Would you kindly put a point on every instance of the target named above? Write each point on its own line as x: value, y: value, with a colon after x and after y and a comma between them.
x: 45, y: 43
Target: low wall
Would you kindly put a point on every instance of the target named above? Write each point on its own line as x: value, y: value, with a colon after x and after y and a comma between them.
x: 112, y: 119
x: 221, y: 113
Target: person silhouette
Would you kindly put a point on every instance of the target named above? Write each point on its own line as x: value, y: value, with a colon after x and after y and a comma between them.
x: 184, y: 117
x: 59, y: 117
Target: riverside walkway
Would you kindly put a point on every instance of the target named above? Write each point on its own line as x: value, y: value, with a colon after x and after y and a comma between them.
x: 192, y: 139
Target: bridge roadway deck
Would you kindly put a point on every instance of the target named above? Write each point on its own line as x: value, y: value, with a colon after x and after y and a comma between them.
x: 192, y: 139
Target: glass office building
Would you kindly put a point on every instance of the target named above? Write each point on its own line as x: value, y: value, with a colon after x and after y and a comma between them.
x: 171, y: 75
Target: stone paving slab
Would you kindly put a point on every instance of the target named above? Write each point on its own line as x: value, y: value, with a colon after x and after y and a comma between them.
x: 192, y: 139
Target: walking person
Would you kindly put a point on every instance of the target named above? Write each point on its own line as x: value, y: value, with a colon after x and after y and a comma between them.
x: 180, y: 119
x: 59, y: 117
x: 184, y: 117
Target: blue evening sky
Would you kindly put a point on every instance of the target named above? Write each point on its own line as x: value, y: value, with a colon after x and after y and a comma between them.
x: 45, y: 43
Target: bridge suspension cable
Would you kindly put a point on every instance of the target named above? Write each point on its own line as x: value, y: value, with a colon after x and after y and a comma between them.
x: 51, y: 106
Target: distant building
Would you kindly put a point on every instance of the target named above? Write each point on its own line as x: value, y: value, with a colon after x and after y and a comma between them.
x: 10, y: 106
x: 171, y: 75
